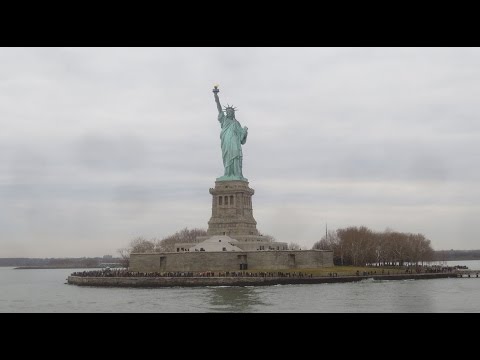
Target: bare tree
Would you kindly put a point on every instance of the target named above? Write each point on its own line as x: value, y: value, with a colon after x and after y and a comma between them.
x: 294, y: 246
x: 136, y: 245
x: 362, y: 246
x: 183, y: 236
x: 141, y: 245
x: 125, y: 256
x: 332, y: 242
x: 268, y: 238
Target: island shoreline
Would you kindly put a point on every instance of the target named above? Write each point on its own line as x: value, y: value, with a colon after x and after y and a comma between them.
x: 154, y: 282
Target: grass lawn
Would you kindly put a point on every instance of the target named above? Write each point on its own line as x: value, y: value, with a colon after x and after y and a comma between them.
x: 340, y: 270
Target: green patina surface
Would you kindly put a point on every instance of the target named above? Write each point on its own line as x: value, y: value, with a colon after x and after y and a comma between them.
x: 232, y: 137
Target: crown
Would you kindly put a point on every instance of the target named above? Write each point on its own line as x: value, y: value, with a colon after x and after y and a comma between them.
x: 230, y: 107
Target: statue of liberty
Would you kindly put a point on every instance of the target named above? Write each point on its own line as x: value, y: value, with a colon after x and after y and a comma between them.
x: 232, y: 136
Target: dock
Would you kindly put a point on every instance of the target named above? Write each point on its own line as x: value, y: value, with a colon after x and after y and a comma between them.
x: 468, y: 273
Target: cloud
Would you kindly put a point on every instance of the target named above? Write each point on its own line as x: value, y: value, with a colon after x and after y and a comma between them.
x: 99, y: 145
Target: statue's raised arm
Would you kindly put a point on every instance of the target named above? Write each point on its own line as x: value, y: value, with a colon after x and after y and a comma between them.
x: 217, y: 99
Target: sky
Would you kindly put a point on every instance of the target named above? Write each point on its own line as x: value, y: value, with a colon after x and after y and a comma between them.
x: 101, y: 145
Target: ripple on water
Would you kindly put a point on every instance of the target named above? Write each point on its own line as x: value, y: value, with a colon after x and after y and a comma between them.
x: 44, y: 291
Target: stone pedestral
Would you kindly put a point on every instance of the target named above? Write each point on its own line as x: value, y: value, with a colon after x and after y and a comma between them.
x: 232, y: 212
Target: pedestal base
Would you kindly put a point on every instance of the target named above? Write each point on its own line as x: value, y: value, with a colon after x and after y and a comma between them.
x: 231, y: 178
x: 232, y: 212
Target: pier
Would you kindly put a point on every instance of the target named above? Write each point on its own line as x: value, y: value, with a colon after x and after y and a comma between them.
x: 468, y: 273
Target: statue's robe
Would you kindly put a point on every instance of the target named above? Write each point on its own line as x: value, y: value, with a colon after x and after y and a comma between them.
x: 232, y: 137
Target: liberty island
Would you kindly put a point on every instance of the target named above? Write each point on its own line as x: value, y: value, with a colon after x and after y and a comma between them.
x: 233, y: 252
x: 233, y: 242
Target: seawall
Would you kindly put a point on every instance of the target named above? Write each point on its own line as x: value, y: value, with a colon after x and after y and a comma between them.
x: 199, y: 261
x: 237, y: 281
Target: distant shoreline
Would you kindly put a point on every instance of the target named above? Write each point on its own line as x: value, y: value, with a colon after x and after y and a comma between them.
x: 55, y: 267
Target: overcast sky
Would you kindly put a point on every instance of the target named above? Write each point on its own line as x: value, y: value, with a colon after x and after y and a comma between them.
x: 100, y: 145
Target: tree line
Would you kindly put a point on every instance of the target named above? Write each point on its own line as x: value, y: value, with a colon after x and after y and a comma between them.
x: 360, y: 246
x: 155, y: 245
x: 141, y: 244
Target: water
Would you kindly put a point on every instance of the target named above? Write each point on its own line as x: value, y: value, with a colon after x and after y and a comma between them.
x: 46, y: 291
x: 471, y: 264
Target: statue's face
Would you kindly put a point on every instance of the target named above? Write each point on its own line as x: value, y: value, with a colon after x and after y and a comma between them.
x: 230, y: 113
